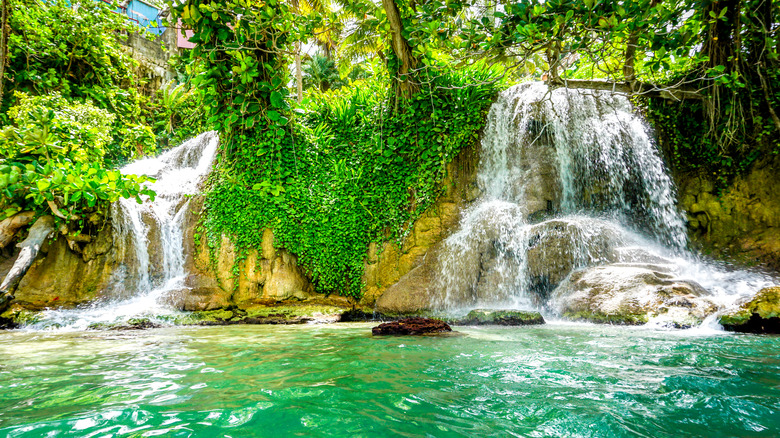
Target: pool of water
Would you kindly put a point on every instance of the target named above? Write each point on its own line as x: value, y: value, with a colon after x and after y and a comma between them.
x: 338, y: 380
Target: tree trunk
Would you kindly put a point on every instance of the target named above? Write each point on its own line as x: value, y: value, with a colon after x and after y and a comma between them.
x: 4, y: 11
x: 298, y: 71
x: 629, y: 72
x: 407, y: 63
x: 30, y: 246
x: 719, y: 44
x: 9, y: 226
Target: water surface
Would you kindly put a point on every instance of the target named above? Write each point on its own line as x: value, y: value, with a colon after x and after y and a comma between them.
x: 337, y: 380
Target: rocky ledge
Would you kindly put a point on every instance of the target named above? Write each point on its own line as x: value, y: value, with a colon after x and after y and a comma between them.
x: 632, y: 294
x: 411, y: 326
x: 761, y: 314
x: 502, y: 317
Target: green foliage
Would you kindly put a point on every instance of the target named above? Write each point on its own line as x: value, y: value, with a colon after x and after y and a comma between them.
x: 353, y: 171
x: 178, y: 114
x: 76, y: 53
x: 53, y: 160
x: 241, y: 46
x: 320, y: 72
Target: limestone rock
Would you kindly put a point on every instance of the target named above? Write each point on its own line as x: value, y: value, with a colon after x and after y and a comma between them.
x: 502, y: 317
x: 739, y: 223
x: 197, y: 299
x: 411, y: 326
x: 761, y: 314
x: 631, y: 294
x: 411, y: 294
x: 557, y: 247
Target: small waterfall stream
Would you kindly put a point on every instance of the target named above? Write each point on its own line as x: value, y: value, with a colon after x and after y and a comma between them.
x: 153, y: 235
x: 568, y: 179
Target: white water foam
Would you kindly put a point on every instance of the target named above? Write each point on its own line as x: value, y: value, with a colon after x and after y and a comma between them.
x: 155, y: 231
x: 569, y: 179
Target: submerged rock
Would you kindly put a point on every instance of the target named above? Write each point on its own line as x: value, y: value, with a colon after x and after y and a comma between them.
x: 130, y: 324
x: 502, y: 317
x: 411, y: 326
x: 761, y: 314
x: 632, y: 294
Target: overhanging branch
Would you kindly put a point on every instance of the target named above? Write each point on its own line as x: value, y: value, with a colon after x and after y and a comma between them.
x: 630, y: 88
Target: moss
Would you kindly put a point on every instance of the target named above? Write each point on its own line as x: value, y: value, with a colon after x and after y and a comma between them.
x: 20, y: 317
x: 620, y: 319
x: 503, y: 317
x: 293, y: 311
x: 765, y: 305
x: 740, y: 317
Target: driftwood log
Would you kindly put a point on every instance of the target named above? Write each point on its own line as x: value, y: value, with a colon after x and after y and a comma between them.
x: 9, y: 226
x: 40, y: 230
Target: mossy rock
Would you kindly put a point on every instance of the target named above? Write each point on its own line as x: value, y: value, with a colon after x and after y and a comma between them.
x: 502, y: 317
x: 600, y: 318
x: 759, y: 315
x: 130, y: 324
x: 17, y: 317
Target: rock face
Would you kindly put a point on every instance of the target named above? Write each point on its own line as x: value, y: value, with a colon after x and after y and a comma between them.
x: 411, y: 326
x: 742, y: 222
x: 387, y: 265
x: 62, y: 278
x: 761, y: 314
x: 266, y: 275
x: 502, y: 317
x: 632, y: 294
x: 412, y: 293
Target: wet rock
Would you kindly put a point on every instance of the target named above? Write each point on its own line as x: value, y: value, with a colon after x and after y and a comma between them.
x: 632, y: 294
x: 502, y: 317
x: 358, y: 315
x: 411, y: 326
x: 557, y: 247
x: 740, y: 222
x: 761, y: 314
x: 411, y: 294
x: 131, y: 324
x: 197, y: 299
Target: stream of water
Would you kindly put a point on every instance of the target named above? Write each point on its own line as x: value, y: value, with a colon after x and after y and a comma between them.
x: 154, y: 233
x: 570, y: 179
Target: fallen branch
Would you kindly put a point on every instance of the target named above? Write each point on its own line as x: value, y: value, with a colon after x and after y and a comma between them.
x: 635, y: 88
x: 9, y: 226
x: 41, y: 229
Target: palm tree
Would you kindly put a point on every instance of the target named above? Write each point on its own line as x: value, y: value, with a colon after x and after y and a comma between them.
x: 321, y: 72
x: 324, y: 37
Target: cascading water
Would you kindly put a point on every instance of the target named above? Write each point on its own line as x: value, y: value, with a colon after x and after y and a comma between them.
x: 568, y: 179
x: 154, y: 231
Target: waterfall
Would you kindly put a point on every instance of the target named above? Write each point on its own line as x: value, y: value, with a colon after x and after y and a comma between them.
x: 153, y: 234
x: 568, y: 179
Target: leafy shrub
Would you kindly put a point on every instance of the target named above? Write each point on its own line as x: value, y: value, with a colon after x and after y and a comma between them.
x: 54, y: 47
x: 54, y: 160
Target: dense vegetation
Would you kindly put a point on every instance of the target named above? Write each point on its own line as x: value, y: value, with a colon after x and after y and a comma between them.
x: 346, y: 145
x: 350, y: 171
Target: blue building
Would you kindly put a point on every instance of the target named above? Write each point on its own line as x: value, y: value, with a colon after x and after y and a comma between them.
x: 142, y: 14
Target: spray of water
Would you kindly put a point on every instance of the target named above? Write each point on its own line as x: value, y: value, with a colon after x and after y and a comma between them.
x: 569, y: 179
x: 155, y: 232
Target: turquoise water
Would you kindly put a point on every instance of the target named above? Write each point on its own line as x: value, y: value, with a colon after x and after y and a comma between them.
x: 337, y: 380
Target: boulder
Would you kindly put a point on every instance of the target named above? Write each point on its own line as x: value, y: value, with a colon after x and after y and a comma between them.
x: 559, y: 246
x: 502, y: 317
x: 411, y: 326
x: 761, y: 314
x: 632, y: 294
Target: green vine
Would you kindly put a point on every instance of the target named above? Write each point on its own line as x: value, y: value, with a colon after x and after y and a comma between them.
x: 351, y: 172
